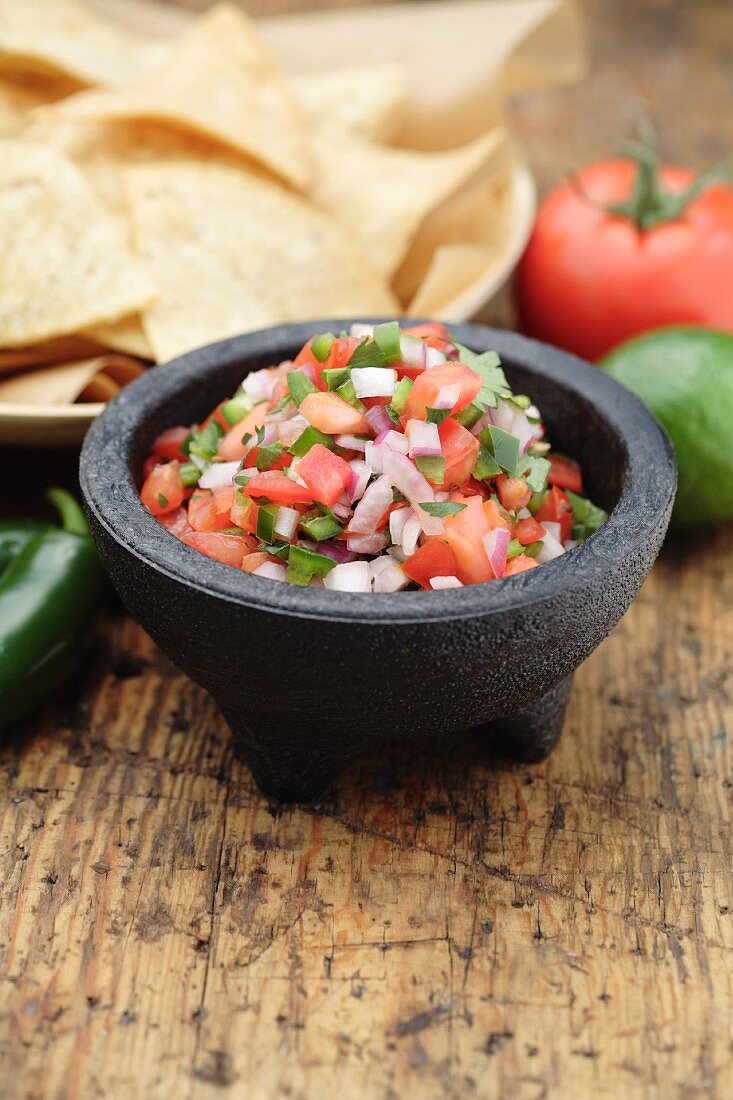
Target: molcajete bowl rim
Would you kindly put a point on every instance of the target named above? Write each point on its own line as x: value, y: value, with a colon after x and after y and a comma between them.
x: 111, y: 495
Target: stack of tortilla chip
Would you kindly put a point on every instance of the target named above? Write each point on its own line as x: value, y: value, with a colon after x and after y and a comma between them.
x: 157, y: 195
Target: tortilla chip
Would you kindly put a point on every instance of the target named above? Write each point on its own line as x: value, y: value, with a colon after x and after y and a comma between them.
x: 61, y: 350
x: 217, y: 81
x: 66, y: 265
x: 20, y: 96
x: 383, y: 195
x: 478, y: 215
x: 368, y: 102
x: 104, y: 149
x: 127, y: 336
x: 231, y: 253
x: 454, y: 270
x: 66, y: 383
x: 67, y: 38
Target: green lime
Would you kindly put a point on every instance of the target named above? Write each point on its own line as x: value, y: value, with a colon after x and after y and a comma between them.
x: 685, y: 376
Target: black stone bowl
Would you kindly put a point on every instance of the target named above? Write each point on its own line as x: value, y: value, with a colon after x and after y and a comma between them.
x: 306, y: 678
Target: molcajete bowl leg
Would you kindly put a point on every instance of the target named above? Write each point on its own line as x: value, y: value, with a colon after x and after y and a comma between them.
x: 309, y: 679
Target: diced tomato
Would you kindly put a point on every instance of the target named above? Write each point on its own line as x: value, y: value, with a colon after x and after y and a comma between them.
x: 326, y: 474
x: 529, y: 531
x: 168, y: 443
x: 279, y: 487
x: 305, y: 355
x: 497, y: 517
x: 244, y: 513
x: 163, y: 490
x: 254, y: 561
x: 230, y: 549
x: 203, y: 514
x: 556, y: 508
x: 329, y: 413
x: 565, y: 473
x: 433, y: 559
x: 464, y: 533
x: 231, y: 447
x: 520, y: 564
x: 224, y: 498
x: 176, y: 522
x: 434, y: 334
x: 514, y: 492
x: 428, y: 385
x: 341, y: 351
x: 459, y: 449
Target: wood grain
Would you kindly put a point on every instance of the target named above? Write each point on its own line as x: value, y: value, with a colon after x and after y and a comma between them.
x: 446, y: 925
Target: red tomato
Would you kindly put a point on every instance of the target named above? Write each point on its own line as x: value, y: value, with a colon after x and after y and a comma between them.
x: 326, y: 474
x: 329, y: 413
x: 428, y: 385
x: 556, y: 508
x: 224, y: 498
x: 203, y: 514
x: 176, y: 522
x: 459, y: 449
x: 230, y: 549
x: 565, y: 473
x: 254, y: 561
x: 590, y: 280
x: 520, y: 564
x: 168, y: 443
x: 497, y: 517
x: 529, y: 531
x: 514, y: 492
x: 464, y: 534
x: 278, y: 487
x: 231, y: 447
x: 433, y: 559
x: 244, y: 513
x: 434, y: 334
x: 163, y: 490
x: 341, y: 351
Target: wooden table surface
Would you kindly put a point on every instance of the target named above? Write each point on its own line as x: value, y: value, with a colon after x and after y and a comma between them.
x: 442, y: 926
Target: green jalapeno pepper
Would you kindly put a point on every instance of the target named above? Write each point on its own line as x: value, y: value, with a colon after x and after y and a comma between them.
x: 51, y: 588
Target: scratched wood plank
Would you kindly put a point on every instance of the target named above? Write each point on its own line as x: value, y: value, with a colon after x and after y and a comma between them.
x: 446, y: 924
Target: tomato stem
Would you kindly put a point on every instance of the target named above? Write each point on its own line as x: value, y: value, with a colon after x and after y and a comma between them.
x: 650, y: 204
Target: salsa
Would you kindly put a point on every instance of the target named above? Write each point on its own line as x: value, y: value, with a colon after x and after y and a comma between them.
x: 375, y: 461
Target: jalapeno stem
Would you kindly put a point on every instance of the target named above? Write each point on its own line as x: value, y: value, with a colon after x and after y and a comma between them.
x: 72, y: 517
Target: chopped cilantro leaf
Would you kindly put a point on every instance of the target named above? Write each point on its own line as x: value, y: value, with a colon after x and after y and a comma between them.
x: 442, y: 508
x: 535, y: 471
x: 268, y: 456
x: 488, y: 365
x: 162, y: 500
x: 436, y: 416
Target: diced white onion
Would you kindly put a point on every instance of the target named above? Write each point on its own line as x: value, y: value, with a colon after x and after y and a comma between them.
x: 422, y: 438
x: 550, y: 548
x: 396, y: 441
x: 433, y: 357
x: 392, y: 578
x: 448, y: 396
x: 496, y: 545
x: 272, y: 570
x: 410, y: 535
x: 553, y: 529
x: 259, y: 385
x: 219, y: 473
x: 351, y: 442
x: 440, y: 583
x: 397, y: 521
x: 374, y: 381
x: 361, y: 331
x: 366, y: 544
x: 352, y: 576
x: 286, y: 522
x: 412, y: 351
x: 290, y: 430
x: 360, y: 474
x: 371, y: 507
